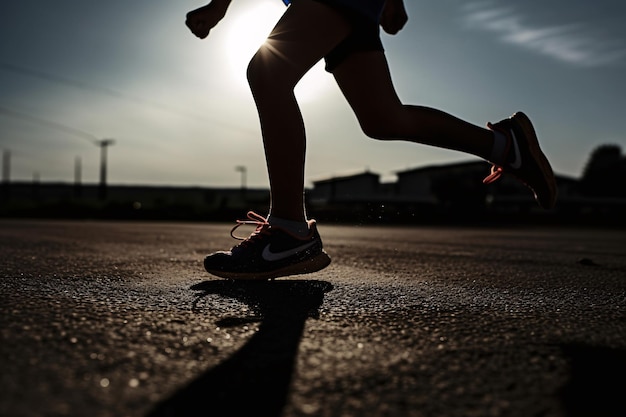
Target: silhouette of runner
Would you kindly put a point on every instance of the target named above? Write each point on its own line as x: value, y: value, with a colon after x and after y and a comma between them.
x: 346, y: 34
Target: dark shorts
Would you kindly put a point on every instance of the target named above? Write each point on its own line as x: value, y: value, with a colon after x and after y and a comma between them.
x: 365, y: 36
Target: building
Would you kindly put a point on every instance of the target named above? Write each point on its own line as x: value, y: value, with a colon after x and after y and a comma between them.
x: 450, y: 190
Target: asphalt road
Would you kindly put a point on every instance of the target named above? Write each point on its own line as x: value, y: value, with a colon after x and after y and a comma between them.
x: 119, y: 319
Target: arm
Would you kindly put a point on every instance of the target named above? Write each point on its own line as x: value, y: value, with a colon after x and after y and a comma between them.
x: 394, y: 16
x: 202, y: 20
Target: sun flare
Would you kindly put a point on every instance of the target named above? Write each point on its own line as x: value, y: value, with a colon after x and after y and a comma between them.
x: 248, y: 32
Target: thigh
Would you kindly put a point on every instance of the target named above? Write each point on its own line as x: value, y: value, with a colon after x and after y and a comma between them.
x: 306, y: 32
x: 364, y: 36
x: 365, y: 81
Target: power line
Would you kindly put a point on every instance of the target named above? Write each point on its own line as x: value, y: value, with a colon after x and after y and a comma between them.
x: 103, y: 144
x: 56, y: 79
x: 47, y: 123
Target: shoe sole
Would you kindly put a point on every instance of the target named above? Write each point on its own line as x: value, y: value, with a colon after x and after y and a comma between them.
x: 535, y: 150
x: 317, y: 263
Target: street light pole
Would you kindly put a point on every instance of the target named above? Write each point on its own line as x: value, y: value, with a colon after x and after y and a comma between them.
x: 243, y: 171
x: 104, y: 144
x: 6, y: 166
x: 6, y: 174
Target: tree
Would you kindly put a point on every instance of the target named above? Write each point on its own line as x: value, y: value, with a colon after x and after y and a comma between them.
x: 605, y: 173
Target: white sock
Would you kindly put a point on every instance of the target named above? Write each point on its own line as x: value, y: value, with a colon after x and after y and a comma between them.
x: 498, y: 152
x: 297, y: 228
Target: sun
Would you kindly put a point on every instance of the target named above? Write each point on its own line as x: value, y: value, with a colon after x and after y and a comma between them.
x: 247, y: 33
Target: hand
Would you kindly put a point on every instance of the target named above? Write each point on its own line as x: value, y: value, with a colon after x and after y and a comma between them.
x: 202, y: 20
x: 394, y: 16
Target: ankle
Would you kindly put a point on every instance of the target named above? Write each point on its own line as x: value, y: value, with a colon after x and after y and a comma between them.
x: 500, y: 149
x: 297, y: 227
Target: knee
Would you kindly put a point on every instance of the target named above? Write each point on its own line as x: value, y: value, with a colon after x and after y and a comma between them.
x: 265, y: 73
x: 256, y: 75
x: 372, y: 132
x: 377, y: 128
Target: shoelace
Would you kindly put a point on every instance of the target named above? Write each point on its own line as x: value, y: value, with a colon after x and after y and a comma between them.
x: 496, y: 173
x: 262, y: 227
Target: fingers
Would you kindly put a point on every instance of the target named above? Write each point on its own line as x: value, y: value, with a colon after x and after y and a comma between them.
x: 394, y: 24
x: 393, y: 17
x: 198, y: 27
x: 393, y: 29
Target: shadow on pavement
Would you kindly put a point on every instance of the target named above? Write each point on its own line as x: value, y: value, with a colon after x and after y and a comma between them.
x: 255, y: 380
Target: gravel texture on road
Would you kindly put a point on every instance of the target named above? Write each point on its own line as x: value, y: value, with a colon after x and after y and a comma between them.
x: 106, y: 319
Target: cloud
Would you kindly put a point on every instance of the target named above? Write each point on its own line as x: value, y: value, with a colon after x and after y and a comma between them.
x: 579, y: 44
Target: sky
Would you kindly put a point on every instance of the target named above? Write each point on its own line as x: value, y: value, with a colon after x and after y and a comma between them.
x: 74, y: 72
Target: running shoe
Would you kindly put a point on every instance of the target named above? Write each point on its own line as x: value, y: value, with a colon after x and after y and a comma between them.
x: 269, y: 252
x: 525, y: 160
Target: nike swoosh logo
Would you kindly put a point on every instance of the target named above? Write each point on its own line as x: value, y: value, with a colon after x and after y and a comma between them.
x: 517, y: 162
x: 277, y: 256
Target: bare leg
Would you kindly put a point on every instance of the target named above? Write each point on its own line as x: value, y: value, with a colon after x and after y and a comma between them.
x: 307, y: 31
x: 366, y: 83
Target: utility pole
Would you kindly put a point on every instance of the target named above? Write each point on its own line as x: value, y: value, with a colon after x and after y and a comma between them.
x: 243, y: 171
x: 35, y: 185
x: 104, y: 144
x: 6, y: 166
x: 6, y: 173
x: 77, y: 176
